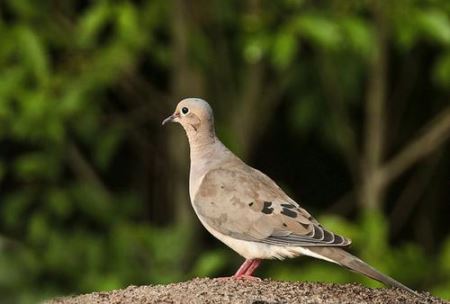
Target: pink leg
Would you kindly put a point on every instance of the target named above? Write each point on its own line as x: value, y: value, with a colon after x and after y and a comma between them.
x: 243, y: 269
x: 247, y: 268
x: 252, y: 267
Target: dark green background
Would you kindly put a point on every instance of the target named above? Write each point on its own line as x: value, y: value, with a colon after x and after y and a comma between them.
x: 344, y: 103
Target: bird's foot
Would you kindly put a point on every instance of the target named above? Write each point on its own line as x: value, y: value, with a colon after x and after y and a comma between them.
x: 246, y: 277
x: 225, y: 278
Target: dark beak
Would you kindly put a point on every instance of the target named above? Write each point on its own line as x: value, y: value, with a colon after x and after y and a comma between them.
x: 169, y: 119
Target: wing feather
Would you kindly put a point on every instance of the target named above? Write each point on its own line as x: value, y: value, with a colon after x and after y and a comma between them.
x: 248, y: 205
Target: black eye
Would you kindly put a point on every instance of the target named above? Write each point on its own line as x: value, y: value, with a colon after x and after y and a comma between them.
x: 184, y: 110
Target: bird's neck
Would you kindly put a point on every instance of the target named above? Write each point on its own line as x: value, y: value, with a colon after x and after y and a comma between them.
x: 200, y: 137
x: 206, y: 152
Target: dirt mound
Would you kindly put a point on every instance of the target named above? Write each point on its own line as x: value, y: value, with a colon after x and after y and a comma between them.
x: 249, y: 292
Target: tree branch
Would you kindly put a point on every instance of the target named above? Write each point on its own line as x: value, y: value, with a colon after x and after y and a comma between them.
x: 411, y: 195
x: 84, y: 169
x: 437, y: 132
x: 371, y: 192
x: 243, y: 121
x: 335, y: 100
x: 186, y: 81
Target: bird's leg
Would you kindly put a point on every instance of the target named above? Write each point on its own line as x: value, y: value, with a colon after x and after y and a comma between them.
x: 243, y: 269
x: 247, y: 269
x: 252, y: 267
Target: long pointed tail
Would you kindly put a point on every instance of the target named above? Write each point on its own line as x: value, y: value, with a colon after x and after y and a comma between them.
x: 343, y: 258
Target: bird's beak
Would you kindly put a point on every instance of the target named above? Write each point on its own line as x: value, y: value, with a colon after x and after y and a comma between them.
x: 171, y: 118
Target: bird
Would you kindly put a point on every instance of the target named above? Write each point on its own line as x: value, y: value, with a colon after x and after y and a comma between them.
x: 247, y: 211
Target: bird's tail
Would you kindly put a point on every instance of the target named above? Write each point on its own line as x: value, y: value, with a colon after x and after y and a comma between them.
x: 343, y: 258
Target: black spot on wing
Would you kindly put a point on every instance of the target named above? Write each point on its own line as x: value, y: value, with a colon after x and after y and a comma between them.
x: 317, y: 233
x: 266, y: 208
x: 289, y: 206
x: 306, y: 226
x: 288, y: 212
x: 308, y: 240
x: 339, y: 240
x: 328, y: 237
x: 251, y: 204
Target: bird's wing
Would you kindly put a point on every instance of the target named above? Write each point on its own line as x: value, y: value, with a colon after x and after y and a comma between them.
x: 246, y: 204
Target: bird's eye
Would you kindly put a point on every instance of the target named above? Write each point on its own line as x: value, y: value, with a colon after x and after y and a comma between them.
x: 184, y: 110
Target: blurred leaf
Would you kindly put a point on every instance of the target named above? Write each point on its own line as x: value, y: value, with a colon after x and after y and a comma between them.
x: 93, y: 201
x: 73, y: 100
x: 23, y: 8
x: 314, y: 271
x: 38, y: 228
x: 14, y: 207
x: 11, y: 80
x: 435, y: 24
x: 408, y: 254
x: 375, y: 230
x: 441, y: 71
x: 422, y: 24
x: 284, y: 49
x: 59, y: 203
x: 209, y: 263
x: 442, y: 290
x: 91, y: 23
x: 34, y: 53
x: 255, y: 47
x: 360, y: 35
x: 320, y: 30
x: 444, y: 259
x: 110, y: 63
x: 36, y: 165
x: 128, y: 27
x: 107, y: 146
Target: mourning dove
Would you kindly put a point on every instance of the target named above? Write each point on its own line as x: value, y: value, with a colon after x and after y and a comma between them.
x: 246, y: 210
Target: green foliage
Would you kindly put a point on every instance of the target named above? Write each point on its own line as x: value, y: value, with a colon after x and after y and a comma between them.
x: 443, y: 288
x: 284, y: 49
x: 210, y: 263
x: 442, y: 71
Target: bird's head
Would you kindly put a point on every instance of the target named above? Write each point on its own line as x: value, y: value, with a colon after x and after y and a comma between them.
x: 194, y: 114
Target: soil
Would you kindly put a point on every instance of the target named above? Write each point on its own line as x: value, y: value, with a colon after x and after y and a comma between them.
x: 246, y: 291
